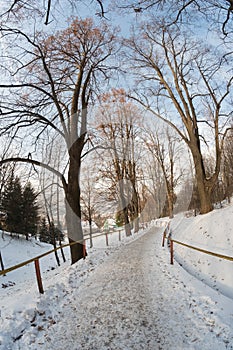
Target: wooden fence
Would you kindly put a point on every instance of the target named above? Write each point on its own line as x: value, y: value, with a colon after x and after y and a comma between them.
x: 36, y: 259
x: 167, y: 236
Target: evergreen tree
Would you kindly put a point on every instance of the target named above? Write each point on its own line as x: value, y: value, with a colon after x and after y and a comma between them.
x: 20, y: 206
x: 50, y: 233
x: 29, y: 210
x: 55, y: 234
x: 12, y: 205
x: 44, y: 232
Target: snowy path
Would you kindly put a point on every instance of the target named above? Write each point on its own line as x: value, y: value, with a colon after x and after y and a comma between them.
x: 134, y: 300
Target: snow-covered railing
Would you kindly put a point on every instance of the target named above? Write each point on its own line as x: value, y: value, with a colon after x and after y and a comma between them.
x: 171, y: 241
x: 36, y: 262
x: 83, y: 242
x: 106, y: 233
x: 36, y: 259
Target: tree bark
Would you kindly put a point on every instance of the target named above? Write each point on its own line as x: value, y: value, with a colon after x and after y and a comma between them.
x: 73, y: 207
x: 203, y: 187
x: 170, y: 200
x: 135, y: 209
x: 124, y: 209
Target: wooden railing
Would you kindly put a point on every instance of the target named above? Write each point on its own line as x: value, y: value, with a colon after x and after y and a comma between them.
x: 171, y: 241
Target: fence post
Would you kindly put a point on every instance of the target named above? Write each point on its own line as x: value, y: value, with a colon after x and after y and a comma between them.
x: 164, y: 236
x: 1, y: 262
x: 171, y: 251
x: 38, y: 276
x: 84, y: 249
x: 106, y: 236
x: 119, y: 235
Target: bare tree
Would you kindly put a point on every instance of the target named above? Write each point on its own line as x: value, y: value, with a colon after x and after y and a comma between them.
x: 90, y: 195
x: 46, y: 10
x: 152, y: 188
x: 50, y: 192
x: 227, y: 166
x: 165, y: 148
x: 180, y: 83
x: 118, y: 129
x: 216, y: 13
x: 54, y: 79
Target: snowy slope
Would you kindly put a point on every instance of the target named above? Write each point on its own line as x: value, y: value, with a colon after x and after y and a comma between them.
x: 32, y: 321
x: 212, y: 232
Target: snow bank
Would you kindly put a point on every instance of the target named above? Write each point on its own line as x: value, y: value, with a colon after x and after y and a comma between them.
x: 212, y: 232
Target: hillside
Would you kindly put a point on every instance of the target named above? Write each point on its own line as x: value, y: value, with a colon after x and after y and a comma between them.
x: 212, y: 232
x: 31, y: 321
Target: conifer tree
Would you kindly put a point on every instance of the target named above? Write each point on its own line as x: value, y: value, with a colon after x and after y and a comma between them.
x: 49, y: 233
x: 21, y: 207
x: 55, y: 234
x: 12, y: 204
x: 29, y: 211
x: 44, y: 231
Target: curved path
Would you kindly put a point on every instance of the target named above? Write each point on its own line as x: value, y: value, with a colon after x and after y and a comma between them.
x: 130, y: 302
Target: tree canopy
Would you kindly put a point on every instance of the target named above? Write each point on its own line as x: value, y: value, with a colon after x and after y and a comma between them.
x: 174, y: 65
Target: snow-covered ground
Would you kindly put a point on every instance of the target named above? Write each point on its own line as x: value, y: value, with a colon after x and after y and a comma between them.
x: 212, y: 232
x: 127, y: 295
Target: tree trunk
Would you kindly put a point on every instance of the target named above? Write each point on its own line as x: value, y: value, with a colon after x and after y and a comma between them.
x: 135, y: 211
x: 59, y: 225
x: 136, y: 224
x: 55, y: 252
x: 126, y: 222
x: 73, y: 208
x: 62, y: 251
x: 124, y: 209
x: 170, y: 201
x: 75, y: 234
x: 204, y: 189
x: 204, y: 195
x: 1, y: 263
x: 90, y: 227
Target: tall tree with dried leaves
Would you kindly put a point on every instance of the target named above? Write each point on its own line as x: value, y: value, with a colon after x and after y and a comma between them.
x: 181, y: 82
x: 54, y: 79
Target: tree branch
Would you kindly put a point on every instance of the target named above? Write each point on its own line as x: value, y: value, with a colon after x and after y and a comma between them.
x: 48, y: 12
x: 37, y: 163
